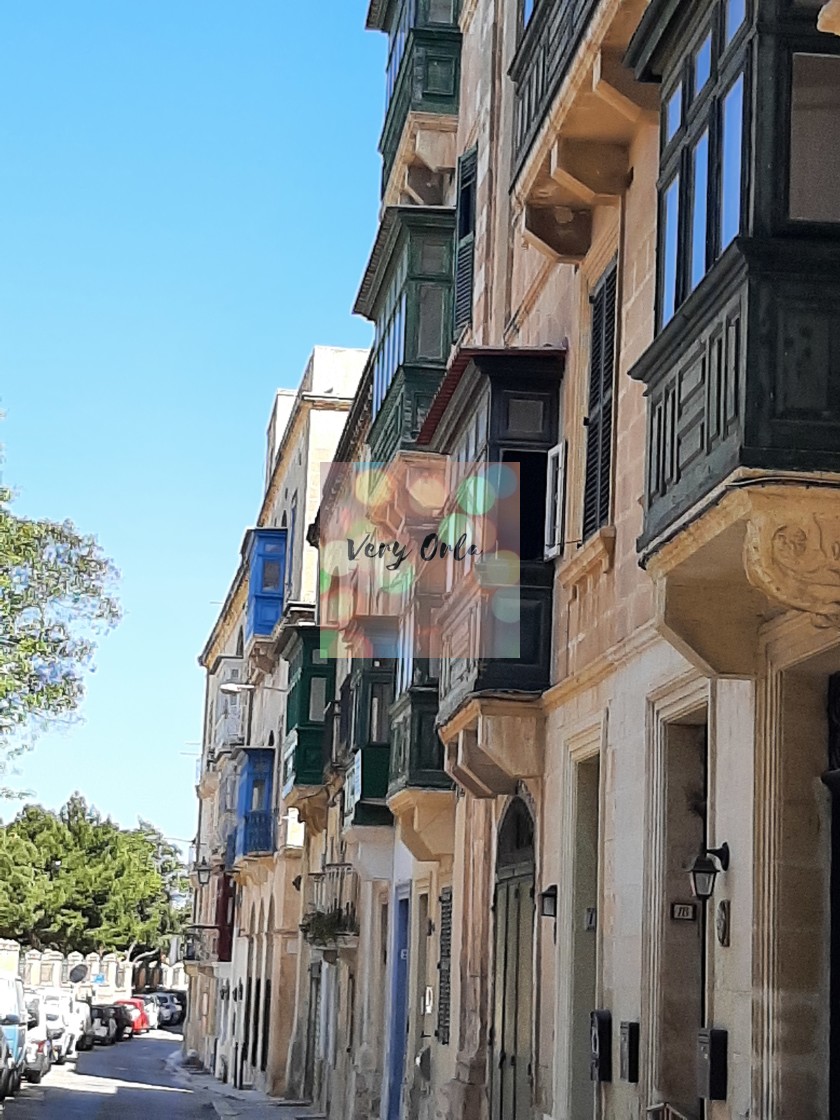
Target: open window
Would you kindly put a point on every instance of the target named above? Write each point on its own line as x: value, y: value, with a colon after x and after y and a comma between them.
x: 555, y: 504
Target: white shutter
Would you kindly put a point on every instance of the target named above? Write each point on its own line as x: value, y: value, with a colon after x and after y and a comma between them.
x: 555, y: 501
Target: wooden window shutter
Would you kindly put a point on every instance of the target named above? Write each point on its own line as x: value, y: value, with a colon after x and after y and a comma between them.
x: 465, y: 239
x: 596, y: 494
x: 445, y: 967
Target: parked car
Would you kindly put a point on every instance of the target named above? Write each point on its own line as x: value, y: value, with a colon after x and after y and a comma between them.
x: 137, y: 1010
x: 13, y: 1026
x: 104, y: 1022
x: 7, y: 1067
x: 38, y: 1054
x: 125, y: 1022
x: 170, y: 1000
x: 150, y: 1006
x: 165, y: 1011
x: 83, y: 1025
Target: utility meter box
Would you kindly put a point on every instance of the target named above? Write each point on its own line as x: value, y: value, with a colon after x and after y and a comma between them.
x: 711, y: 1064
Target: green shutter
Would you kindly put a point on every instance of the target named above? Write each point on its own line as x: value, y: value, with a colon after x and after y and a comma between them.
x: 596, y: 494
x: 465, y: 239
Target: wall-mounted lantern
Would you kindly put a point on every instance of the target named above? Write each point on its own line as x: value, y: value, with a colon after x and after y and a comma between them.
x: 548, y: 902
x: 203, y: 872
x: 704, y: 871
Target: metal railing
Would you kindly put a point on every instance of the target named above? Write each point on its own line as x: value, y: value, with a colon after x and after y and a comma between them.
x: 336, y: 892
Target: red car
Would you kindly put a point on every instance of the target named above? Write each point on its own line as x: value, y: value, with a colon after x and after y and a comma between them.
x: 137, y: 1011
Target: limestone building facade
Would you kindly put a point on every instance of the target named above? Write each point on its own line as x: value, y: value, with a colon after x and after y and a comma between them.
x: 597, y: 878
x: 241, y: 957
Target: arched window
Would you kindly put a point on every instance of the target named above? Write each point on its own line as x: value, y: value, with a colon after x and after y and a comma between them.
x: 516, y: 835
x: 240, y: 644
x: 271, y: 738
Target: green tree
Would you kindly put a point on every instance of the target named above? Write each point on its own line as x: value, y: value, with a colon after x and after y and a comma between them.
x: 56, y: 598
x: 75, y: 881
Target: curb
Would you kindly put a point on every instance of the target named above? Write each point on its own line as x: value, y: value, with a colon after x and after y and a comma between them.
x: 224, y: 1108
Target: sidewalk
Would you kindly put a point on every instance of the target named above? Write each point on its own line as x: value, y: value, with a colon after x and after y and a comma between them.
x: 246, y: 1103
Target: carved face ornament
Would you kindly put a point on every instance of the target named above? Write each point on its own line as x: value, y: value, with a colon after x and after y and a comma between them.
x: 797, y: 563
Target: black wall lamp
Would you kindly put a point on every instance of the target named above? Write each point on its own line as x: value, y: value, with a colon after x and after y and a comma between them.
x: 704, y: 871
x: 548, y: 902
x: 203, y: 872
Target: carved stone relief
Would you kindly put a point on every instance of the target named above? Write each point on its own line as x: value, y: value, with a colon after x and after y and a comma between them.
x: 793, y: 556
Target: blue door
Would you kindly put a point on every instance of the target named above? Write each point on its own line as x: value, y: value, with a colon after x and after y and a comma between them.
x: 399, y: 1018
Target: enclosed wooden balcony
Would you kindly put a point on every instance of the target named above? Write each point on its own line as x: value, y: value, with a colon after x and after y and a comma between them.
x: 423, y: 78
x: 420, y: 792
x: 368, y: 765
x: 311, y: 687
x: 406, y: 292
x: 742, y: 376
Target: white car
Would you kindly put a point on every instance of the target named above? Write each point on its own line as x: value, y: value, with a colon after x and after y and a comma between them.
x: 165, y: 999
x: 152, y: 1012
x: 164, y: 1011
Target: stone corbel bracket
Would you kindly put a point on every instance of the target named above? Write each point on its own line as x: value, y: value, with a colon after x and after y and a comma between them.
x: 792, y: 551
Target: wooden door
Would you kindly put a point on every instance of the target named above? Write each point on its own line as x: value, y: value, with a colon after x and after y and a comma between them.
x: 512, y: 999
x: 513, y: 969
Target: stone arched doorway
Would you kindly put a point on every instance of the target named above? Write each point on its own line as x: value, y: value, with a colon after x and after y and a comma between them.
x: 511, y: 1049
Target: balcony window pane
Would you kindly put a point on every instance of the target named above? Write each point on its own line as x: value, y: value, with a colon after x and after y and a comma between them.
x: 700, y: 167
x: 433, y: 258
x: 733, y: 128
x: 814, y: 162
x: 271, y: 575
x: 401, y: 329
x: 380, y: 701
x: 317, y: 699
x: 735, y: 15
x: 440, y: 11
x: 673, y: 113
x: 670, y: 238
x: 440, y: 76
x: 702, y: 64
x: 524, y: 415
x: 430, y: 308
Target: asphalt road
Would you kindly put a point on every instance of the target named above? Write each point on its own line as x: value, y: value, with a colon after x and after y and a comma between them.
x: 128, y: 1081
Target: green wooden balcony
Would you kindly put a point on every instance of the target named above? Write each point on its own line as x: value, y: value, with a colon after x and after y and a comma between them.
x: 366, y: 784
x: 407, y: 293
x: 427, y: 83
x: 416, y: 751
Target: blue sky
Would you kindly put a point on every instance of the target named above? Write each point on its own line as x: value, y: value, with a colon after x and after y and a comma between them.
x: 188, y: 194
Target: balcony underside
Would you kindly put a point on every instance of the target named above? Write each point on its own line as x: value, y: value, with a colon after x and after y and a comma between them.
x: 763, y: 545
x: 426, y: 821
x: 424, y: 162
x: 583, y: 160
x: 492, y: 743
x: 311, y: 802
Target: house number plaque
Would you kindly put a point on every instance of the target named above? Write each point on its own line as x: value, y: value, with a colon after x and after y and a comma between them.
x: 683, y: 912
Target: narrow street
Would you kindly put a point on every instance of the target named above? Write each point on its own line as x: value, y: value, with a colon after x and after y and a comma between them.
x: 128, y: 1081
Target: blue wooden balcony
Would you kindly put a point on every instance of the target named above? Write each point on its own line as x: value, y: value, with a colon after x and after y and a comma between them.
x: 256, y: 834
